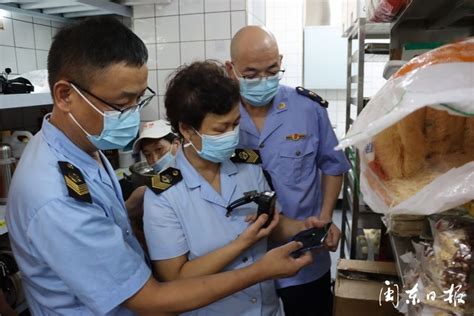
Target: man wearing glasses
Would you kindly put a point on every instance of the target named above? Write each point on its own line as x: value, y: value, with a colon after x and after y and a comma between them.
x: 67, y: 222
x: 291, y: 129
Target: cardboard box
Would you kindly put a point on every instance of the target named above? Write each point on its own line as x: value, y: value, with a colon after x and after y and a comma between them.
x: 359, y: 287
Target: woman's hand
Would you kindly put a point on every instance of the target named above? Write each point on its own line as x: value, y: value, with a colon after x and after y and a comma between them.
x: 255, y: 231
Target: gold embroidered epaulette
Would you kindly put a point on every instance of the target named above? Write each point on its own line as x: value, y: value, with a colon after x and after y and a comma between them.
x: 246, y: 156
x: 75, y: 183
x: 164, y: 180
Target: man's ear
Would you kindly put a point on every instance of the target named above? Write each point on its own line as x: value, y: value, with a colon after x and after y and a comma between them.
x: 62, y: 91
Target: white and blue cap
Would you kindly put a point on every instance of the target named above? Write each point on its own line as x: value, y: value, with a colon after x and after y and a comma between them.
x: 153, y: 130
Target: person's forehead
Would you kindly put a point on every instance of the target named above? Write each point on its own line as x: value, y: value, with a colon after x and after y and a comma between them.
x: 258, y: 59
x: 120, y: 77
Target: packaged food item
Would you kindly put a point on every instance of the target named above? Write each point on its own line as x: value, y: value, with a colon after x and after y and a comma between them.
x: 448, y: 265
x: 384, y: 10
x: 415, y: 136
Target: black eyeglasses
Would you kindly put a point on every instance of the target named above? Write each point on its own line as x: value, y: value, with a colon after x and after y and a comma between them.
x: 128, y: 110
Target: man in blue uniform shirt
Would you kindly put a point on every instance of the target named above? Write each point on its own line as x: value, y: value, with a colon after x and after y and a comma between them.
x: 291, y: 129
x: 68, y: 224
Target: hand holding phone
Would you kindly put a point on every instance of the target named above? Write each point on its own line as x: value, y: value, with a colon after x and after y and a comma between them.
x: 312, y: 238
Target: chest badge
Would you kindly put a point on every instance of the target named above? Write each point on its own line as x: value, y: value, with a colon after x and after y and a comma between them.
x: 295, y: 137
x: 281, y: 106
x: 75, y: 183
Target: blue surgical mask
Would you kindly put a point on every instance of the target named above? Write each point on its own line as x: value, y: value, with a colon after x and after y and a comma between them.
x: 163, y: 161
x: 118, y: 131
x: 217, y: 148
x: 260, y: 91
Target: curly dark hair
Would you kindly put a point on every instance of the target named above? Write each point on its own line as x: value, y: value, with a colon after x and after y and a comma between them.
x: 198, y: 89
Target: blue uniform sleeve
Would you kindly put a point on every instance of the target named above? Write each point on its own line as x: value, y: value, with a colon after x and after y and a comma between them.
x: 164, y: 234
x: 88, y: 251
x: 331, y: 162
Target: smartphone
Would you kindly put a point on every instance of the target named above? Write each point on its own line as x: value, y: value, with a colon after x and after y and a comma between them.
x: 311, y: 238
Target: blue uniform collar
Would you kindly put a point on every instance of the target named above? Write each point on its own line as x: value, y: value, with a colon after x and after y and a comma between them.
x: 57, y: 140
x: 190, y: 175
x: 193, y: 180
x: 273, y: 121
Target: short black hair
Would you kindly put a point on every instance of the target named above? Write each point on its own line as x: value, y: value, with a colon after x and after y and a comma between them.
x: 198, y: 89
x: 81, y: 49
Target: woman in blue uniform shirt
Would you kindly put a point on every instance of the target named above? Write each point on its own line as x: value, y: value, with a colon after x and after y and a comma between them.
x: 186, y: 228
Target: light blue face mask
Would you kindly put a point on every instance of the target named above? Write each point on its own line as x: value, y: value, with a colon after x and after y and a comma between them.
x: 118, y: 131
x: 163, y: 161
x: 260, y: 91
x: 218, y: 148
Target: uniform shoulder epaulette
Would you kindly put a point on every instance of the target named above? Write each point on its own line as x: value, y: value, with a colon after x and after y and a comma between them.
x: 164, y: 180
x: 251, y: 156
x: 313, y: 96
x: 75, y: 183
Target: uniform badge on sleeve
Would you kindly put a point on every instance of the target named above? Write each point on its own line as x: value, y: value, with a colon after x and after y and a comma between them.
x: 251, y: 156
x: 165, y: 180
x: 75, y: 183
x: 313, y: 96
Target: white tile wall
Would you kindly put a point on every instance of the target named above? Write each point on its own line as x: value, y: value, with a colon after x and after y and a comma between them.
x: 192, y: 27
x: 216, y: 5
x: 6, y: 36
x: 23, y: 33
x: 167, y: 29
x: 192, y: 51
x: 167, y: 9
x: 167, y: 55
x: 217, y: 26
x: 184, y: 31
x: 42, y: 36
x: 219, y: 50
x: 41, y: 59
x: 145, y: 29
x: 27, y: 58
x: 191, y: 6
x: 237, y: 5
x: 8, y: 58
x: 285, y: 20
x: 238, y: 20
x: 151, y: 64
x: 144, y: 11
x: 25, y: 41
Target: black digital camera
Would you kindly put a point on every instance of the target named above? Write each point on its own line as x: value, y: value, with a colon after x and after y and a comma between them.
x: 265, y: 200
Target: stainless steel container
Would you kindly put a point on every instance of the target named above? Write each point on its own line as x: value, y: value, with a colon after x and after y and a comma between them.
x: 141, y: 174
x: 7, y: 167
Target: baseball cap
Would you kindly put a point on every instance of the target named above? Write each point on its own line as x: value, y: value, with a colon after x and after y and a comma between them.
x: 154, y: 130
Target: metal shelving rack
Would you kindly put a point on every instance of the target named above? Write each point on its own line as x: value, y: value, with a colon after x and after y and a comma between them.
x: 352, y: 209
x: 420, y: 21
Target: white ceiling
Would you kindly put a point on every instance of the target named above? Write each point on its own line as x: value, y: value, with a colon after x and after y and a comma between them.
x: 62, y: 10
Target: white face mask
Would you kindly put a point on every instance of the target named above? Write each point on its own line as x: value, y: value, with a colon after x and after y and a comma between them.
x: 163, y: 161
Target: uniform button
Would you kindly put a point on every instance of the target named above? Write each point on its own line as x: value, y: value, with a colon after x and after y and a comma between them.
x: 245, y: 259
x: 298, y: 153
x: 253, y: 300
x: 127, y: 232
x: 262, y: 145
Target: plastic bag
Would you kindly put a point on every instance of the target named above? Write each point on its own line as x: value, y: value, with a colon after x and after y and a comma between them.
x: 409, y: 116
x: 39, y: 79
